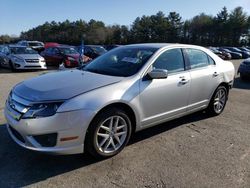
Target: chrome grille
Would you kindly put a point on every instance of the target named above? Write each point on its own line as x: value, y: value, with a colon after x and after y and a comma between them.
x: 32, y: 60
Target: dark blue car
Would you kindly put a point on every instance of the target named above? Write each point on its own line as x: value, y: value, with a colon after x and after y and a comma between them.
x: 245, y: 54
x: 244, y: 69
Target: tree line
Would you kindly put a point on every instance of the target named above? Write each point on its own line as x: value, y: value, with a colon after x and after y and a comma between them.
x: 225, y: 28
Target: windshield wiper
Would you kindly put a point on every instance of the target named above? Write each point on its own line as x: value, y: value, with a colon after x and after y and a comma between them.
x: 93, y: 70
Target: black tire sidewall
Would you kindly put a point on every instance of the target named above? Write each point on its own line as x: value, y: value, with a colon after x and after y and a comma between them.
x: 90, y: 142
x: 12, y: 66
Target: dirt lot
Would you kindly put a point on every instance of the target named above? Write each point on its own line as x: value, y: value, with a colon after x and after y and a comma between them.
x: 194, y: 151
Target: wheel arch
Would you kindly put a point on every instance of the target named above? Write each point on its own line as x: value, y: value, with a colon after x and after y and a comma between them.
x: 123, y: 106
x: 225, y: 84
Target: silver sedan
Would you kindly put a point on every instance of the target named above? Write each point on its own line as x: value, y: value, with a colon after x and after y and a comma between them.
x: 96, y: 108
x: 20, y: 57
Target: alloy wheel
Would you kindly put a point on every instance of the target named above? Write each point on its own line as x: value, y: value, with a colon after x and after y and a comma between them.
x: 219, y: 100
x: 111, y: 134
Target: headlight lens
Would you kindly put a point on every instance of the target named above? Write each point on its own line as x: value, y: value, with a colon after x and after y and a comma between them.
x: 42, y: 60
x: 42, y: 110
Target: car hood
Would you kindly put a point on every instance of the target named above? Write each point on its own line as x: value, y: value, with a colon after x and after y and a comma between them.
x: 27, y: 56
x: 62, y: 85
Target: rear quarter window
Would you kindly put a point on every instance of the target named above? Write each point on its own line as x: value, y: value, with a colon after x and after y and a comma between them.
x: 197, y: 58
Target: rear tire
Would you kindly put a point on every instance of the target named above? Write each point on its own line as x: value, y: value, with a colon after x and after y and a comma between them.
x: 218, y: 101
x: 108, y: 133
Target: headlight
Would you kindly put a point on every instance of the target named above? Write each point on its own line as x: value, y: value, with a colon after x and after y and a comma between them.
x: 16, y: 59
x: 42, y: 110
x: 71, y: 59
x: 42, y: 60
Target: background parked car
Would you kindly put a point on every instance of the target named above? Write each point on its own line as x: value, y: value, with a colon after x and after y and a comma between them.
x: 62, y: 54
x: 112, y: 46
x: 244, y: 69
x: 92, y: 51
x: 222, y: 55
x: 50, y: 44
x: 234, y: 55
x: 21, y: 57
x: 36, y: 45
x: 244, y: 49
x: 243, y: 53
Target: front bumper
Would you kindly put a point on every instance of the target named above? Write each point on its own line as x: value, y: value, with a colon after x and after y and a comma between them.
x: 24, y: 65
x: 72, y: 124
x: 244, y: 70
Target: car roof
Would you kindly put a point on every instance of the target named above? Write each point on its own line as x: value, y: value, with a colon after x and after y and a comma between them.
x: 94, y: 45
x: 64, y: 46
x: 30, y: 41
x: 163, y: 45
x: 16, y: 46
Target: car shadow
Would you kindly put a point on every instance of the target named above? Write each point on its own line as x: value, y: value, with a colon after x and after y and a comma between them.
x: 29, y: 167
x: 241, y: 84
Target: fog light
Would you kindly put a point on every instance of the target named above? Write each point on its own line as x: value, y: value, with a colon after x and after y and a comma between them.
x: 46, y: 140
x: 17, y: 65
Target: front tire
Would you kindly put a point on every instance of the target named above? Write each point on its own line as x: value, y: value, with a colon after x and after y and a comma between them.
x: 218, y: 101
x: 108, y: 133
x: 12, y: 67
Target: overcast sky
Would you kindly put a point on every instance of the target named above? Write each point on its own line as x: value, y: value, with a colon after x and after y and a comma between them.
x: 22, y: 15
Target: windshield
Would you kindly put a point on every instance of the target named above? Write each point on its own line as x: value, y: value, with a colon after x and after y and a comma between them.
x: 236, y: 49
x: 123, y: 61
x: 35, y: 44
x: 67, y: 51
x: 22, y: 50
x: 226, y: 50
x: 98, y: 49
x: 214, y: 50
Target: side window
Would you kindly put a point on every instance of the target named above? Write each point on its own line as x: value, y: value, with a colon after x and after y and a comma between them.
x: 56, y: 51
x: 86, y: 50
x: 171, y: 60
x: 53, y: 51
x: 197, y: 58
x: 48, y: 50
x: 210, y: 60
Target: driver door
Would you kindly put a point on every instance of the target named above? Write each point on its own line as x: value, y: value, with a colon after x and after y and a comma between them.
x: 162, y: 99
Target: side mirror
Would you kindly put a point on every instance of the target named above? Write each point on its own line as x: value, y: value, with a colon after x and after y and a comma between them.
x: 158, y: 74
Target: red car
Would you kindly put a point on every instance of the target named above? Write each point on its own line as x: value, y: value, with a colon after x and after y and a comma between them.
x: 50, y: 44
x: 56, y: 55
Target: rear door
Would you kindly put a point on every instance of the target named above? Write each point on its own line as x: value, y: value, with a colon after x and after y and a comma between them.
x: 47, y: 55
x: 57, y: 56
x: 205, y: 78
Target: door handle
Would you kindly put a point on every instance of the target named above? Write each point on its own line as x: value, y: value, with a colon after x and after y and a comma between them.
x: 183, y: 80
x: 216, y: 74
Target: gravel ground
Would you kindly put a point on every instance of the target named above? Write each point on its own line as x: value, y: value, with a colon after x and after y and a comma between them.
x: 194, y: 151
